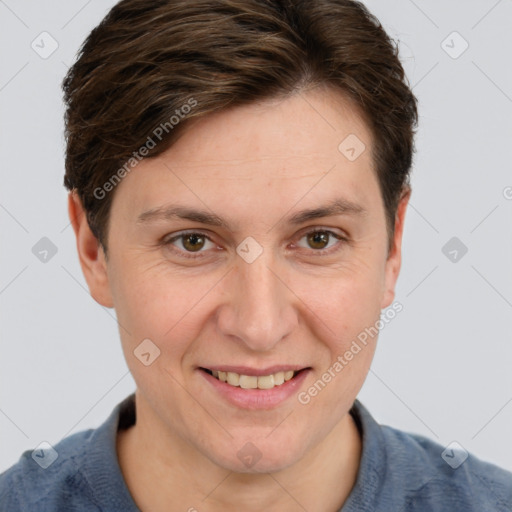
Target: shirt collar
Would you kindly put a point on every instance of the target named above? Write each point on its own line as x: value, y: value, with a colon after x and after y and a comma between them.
x: 103, y: 472
x: 101, y: 467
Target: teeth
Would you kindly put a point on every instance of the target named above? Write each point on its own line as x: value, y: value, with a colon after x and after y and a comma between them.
x: 248, y: 382
x: 253, y: 382
x: 279, y: 378
x: 266, y: 382
x: 233, y: 378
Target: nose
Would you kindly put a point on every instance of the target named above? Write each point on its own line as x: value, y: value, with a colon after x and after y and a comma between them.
x: 259, y: 309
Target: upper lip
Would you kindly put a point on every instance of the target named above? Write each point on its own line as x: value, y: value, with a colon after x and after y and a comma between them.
x: 256, y: 372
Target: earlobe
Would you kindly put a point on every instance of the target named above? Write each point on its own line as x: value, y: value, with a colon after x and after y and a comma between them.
x: 90, y: 253
x: 394, y: 259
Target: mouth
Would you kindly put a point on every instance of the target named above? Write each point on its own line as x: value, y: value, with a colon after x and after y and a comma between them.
x: 243, y: 381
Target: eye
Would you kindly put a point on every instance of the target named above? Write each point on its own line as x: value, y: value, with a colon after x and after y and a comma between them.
x: 189, y: 243
x: 194, y: 244
x: 322, y: 241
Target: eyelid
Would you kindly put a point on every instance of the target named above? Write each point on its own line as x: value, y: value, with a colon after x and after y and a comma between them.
x: 323, y: 229
x: 168, y: 240
x: 341, y: 237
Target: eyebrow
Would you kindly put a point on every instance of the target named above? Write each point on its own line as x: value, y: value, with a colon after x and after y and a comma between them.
x: 170, y: 212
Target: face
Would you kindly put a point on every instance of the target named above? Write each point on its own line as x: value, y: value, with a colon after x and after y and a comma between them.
x: 224, y: 254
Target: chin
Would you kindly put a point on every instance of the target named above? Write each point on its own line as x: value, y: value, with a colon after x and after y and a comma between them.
x: 261, y: 467
x: 251, y: 460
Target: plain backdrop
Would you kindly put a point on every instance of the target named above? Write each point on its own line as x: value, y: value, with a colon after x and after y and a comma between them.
x: 443, y: 365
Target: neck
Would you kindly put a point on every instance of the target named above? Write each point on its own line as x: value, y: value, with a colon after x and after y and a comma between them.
x: 178, y: 478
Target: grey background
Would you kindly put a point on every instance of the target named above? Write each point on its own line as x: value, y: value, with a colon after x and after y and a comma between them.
x: 443, y: 366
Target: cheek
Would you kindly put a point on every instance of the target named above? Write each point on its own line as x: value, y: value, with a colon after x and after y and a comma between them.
x: 343, y: 304
x: 347, y: 313
x: 170, y: 306
x: 153, y: 302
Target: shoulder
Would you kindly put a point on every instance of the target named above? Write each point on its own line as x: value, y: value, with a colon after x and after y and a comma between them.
x: 448, y: 478
x: 412, y: 473
x: 47, y: 478
x: 80, y: 473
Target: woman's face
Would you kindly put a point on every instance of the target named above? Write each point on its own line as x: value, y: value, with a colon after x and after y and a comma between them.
x: 214, y: 267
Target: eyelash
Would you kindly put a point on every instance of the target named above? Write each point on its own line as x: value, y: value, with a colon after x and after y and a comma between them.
x: 168, y: 242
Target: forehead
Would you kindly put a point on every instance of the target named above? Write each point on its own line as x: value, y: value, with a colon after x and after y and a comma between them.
x: 276, y: 150
x: 306, y: 124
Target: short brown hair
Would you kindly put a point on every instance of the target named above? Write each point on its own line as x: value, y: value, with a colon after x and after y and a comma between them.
x: 146, y: 60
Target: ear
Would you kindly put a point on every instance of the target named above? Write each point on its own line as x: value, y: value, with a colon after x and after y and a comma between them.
x: 394, y: 259
x: 90, y: 253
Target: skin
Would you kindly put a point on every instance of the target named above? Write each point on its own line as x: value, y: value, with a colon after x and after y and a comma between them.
x: 254, y: 166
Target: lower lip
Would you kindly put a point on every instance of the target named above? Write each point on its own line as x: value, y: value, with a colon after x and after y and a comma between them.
x: 256, y: 398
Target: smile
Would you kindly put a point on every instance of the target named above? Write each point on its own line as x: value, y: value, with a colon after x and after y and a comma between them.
x: 255, y: 389
x: 252, y: 381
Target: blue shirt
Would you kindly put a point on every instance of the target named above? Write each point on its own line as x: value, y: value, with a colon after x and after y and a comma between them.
x: 399, y: 472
